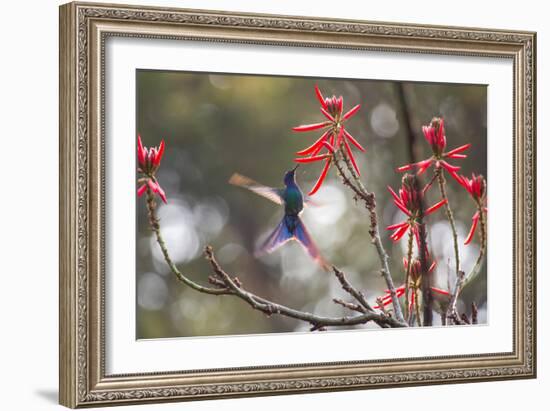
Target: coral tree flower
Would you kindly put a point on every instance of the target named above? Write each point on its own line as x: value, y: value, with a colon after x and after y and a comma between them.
x: 386, y: 298
x: 409, y: 201
x: 415, y: 272
x: 148, y: 164
x: 434, y: 134
x: 415, y: 281
x: 477, y: 188
x: 334, y: 136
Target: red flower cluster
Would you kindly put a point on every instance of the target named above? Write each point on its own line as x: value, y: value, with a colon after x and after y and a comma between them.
x: 435, y: 136
x: 148, y: 164
x: 409, y: 201
x: 333, y: 138
x: 415, y: 276
x: 476, y: 186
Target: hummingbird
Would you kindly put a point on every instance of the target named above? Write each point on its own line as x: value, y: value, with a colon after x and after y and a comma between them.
x: 291, y: 226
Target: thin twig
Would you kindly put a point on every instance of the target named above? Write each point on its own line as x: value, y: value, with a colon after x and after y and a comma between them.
x: 450, y: 216
x: 380, y: 302
x: 413, y: 309
x: 429, y: 184
x: 349, y: 306
x: 346, y: 285
x: 370, y: 202
x: 451, y: 309
x: 408, y: 272
x: 417, y: 307
x: 364, y: 305
x: 367, y: 197
x: 482, y: 248
x: 462, y: 279
x: 474, y: 313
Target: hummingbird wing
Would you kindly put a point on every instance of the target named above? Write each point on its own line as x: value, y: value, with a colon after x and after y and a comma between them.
x: 273, y: 194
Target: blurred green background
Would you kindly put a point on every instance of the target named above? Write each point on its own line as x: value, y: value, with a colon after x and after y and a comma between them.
x: 215, y: 125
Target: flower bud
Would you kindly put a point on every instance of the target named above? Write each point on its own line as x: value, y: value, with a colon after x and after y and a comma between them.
x: 435, y: 135
x: 410, y: 193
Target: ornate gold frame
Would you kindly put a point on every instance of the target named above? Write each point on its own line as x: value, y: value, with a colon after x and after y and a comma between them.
x: 83, y: 30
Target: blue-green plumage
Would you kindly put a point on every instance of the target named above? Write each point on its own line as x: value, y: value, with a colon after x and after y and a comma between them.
x: 292, y: 195
x: 291, y: 226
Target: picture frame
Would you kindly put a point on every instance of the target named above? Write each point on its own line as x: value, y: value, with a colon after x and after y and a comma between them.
x: 85, y: 29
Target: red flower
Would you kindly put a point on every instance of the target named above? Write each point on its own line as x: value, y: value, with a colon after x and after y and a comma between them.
x: 435, y: 136
x: 334, y: 137
x: 386, y: 298
x: 415, y: 277
x: 409, y: 201
x: 416, y: 268
x: 477, y: 187
x: 148, y: 164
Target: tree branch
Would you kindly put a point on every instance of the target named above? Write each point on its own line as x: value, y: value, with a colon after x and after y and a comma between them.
x: 270, y: 307
x: 225, y: 284
x: 154, y: 223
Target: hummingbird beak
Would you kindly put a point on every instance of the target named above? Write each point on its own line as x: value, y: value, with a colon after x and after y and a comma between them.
x: 297, y: 165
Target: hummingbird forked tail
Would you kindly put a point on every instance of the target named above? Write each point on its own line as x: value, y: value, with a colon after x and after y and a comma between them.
x: 291, y: 228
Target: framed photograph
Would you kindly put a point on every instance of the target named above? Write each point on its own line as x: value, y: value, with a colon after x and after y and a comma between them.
x: 259, y: 204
